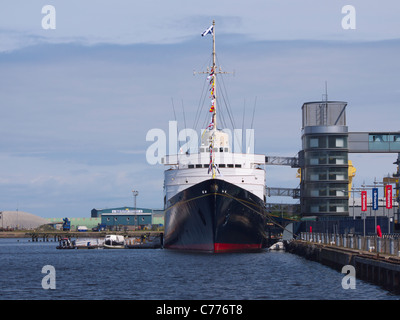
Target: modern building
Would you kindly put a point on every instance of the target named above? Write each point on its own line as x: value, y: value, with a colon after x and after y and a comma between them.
x: 326, y: 172
x: 324, y: 178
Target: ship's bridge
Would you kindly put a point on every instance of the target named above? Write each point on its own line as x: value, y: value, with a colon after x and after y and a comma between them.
x: 217, y: 138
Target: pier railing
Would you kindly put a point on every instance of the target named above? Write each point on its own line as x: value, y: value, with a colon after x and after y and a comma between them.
x: 388, y: 244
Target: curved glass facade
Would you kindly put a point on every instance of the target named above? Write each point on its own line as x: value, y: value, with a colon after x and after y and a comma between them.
x: 324, y: 176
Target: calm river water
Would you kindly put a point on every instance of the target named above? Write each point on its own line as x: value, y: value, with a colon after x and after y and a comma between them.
x: 158, y: 274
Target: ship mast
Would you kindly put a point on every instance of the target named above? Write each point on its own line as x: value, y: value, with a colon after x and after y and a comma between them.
x: 214, y: 116
x: 213, y: 109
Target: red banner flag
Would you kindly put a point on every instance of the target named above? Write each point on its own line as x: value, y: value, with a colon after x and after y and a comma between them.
x: 388, y: 193
x: 363, y: 200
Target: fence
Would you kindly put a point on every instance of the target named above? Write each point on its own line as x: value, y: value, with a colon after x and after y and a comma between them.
x: 388, y: 244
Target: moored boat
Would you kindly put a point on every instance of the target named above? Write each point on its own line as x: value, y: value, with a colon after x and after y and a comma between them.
x: 66, y: 243
x: 144, y: 242
x: 112, y: 241
x: 214, y: 200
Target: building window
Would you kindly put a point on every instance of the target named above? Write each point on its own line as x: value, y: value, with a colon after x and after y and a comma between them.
x: 339, y: 142
x: 313, y: 143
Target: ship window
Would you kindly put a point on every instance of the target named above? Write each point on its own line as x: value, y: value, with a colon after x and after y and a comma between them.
x: 221, y: 149
x: 191, y: 166
x: 201, y: 149
x: 230, y: 165
x: 238, y: 165
x: 205, y: 165
x: 198, y: 165
x: 226, y: 150
x: 222, y: 165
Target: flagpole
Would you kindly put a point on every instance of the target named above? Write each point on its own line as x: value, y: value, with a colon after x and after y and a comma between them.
x: 215, y: 78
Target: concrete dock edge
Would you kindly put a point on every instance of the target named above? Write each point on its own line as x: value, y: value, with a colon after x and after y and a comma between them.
x: 378, y: 269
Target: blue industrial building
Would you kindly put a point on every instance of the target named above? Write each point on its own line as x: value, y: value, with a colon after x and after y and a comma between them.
x: 124, y: 217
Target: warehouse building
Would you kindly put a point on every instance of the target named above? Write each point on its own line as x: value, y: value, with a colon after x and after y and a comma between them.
x: 128, y: 218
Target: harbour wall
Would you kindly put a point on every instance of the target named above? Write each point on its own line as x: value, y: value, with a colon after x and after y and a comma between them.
x: 374, y: 267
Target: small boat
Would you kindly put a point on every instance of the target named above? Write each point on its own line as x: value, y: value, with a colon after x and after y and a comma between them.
x: 89, y: 244
x: 66, y: 243
x: 144, y: 242
x: 113, y: 241
x: 277, y: 246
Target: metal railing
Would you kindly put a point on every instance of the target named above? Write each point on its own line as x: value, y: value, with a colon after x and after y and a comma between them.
x: 388, y: 244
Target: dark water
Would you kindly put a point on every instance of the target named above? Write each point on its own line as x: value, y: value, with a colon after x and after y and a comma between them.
x: 161, y: 274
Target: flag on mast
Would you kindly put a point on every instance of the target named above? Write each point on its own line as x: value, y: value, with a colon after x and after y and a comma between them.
x: 210, y: 30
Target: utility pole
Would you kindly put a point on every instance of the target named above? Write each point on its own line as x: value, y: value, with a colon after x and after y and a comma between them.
x: 135, y: 194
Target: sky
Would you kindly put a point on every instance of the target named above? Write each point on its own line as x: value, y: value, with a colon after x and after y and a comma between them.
x: 77, y: 101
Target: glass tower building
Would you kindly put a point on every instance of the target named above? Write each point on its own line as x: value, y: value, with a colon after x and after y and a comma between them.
x: 324, y: 174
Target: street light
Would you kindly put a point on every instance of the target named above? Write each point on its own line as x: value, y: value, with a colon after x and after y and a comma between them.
x: 135, y: 194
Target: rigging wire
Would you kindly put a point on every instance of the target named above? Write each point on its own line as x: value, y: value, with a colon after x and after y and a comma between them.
x: 202, y: 99
x: 173, y: 108
x: 184, y: 121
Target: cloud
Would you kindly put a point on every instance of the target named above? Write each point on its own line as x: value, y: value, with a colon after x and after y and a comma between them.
x: 76, y: 104
x: 159, y: 22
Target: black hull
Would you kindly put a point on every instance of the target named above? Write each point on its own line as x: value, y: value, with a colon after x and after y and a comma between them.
x: 215, y: 216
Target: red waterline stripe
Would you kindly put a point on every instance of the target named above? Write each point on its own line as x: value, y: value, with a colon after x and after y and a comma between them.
x: 218, y: 247
x: 225, y: 247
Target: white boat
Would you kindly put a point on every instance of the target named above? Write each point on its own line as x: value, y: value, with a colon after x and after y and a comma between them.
x: 277, y: 246
x: 89, y: 243
x: 112, y: 241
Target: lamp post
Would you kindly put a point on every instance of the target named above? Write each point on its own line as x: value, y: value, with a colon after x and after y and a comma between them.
x: 135, y: 194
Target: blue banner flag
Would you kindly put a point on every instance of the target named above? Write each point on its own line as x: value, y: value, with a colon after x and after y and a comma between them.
x: 375, y: 198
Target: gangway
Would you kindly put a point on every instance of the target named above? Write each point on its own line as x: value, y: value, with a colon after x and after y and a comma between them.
x: 282, y: 161
x: 283, y: 192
